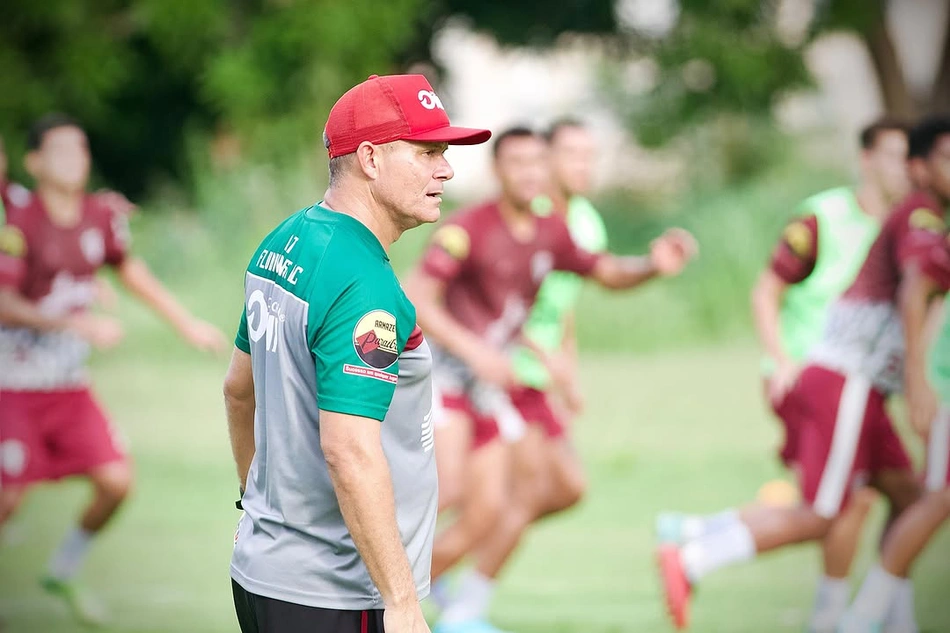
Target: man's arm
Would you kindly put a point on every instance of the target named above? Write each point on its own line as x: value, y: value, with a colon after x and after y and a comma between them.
x: 914, y: 295
x: 136, y: 276
x: 669, y: 254
x: 766, y: 307
x: 360, y: 475
x: 16, y: 311
x: 239, y: 405
x: 426, y: 293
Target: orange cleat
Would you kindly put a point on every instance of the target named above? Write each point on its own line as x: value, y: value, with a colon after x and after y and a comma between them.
x: 676, y: 586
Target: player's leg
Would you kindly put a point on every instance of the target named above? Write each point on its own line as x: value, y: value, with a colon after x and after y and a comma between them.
x: 83, y: 443
x: 567, y: 476
x: 24, y: 457
x: 453, y: 437
x: 829, y: 450
x: 484, y: 495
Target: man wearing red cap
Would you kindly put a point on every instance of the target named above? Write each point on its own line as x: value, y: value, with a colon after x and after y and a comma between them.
x: 329, y: 391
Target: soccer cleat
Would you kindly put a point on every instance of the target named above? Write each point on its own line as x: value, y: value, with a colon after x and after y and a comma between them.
x: 669, y: 528
x: 86, y: 610
x: 853, y: 623
x: 676, y: 586
x: 468, y: 626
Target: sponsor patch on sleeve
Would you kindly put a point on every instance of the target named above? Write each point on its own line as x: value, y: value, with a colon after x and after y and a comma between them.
x: 454, y: 240
x: 927, y: 220
x: 374, y: 339
x: 799, y: 239
x: 12, y: 241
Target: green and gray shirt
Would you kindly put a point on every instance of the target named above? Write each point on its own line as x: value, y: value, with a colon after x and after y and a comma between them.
x: 329, y: 328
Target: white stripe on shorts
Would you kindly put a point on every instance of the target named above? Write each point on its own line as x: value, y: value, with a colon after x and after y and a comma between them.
x: 837, y: 474
x: 938, y: 451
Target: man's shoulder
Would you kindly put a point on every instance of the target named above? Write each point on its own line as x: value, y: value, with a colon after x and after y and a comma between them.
x: 920, y: 211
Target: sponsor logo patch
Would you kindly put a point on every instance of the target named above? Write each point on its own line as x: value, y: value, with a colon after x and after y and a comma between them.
x: 374, y: 338
x: 454, y: 240
x: 12, y: 241
x: 369, y: 372
x: 926, y: 220
x: 799, y: 239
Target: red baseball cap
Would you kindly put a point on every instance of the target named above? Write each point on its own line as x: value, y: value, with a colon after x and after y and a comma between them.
x: 393, y: 108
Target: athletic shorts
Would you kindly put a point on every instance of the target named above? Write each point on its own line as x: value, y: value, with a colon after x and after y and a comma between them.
x: 938, y: 452
x: 789, y: 447
x: 48, y: 435
x: 489, y: 409
x: 257, y: 614
x: 842, y: 436
x: 535, y: 407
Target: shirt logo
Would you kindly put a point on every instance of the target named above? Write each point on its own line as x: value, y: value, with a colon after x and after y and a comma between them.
x: 374, y: 339
x: 264, y: 321
x: 12, y: 241
x: 430, y: 100
x: 428, y: 433
x: 93, y: 246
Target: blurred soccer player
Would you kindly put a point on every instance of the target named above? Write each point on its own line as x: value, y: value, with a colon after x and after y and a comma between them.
x: 51, y: 426
x: 872, y: 347
x: 473, y: 292
x: 547, y: 474
x: 884, y: 589
x: 817, y: 258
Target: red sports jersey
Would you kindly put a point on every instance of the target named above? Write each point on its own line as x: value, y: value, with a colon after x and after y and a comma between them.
x: 54, y: 267
x: 491, y: 278
x: 794, y: 257
x: 864, y: 333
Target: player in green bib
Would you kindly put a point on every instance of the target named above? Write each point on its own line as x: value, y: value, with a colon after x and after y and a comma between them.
x: 818, y: 256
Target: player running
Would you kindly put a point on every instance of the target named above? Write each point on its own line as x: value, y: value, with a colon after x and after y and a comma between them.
x: 885, y: 587
x: 817, y: 258
x: 844, y: 436
x: 547, y: 475
x: 473, y: 292
x: 51, y: 426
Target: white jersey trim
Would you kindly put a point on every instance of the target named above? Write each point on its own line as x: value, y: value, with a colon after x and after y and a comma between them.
x: 938, y: 451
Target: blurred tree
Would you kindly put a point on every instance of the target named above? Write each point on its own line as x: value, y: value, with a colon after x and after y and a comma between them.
x: 143, y: 75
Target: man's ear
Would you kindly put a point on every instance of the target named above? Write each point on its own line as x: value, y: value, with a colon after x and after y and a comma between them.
x: 368, y: 155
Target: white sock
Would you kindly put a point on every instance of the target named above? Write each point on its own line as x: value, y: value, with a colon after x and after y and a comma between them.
x: 695, y: 527
x: 472, y: 597
x: 900, y: 617
x: 729, y: 545
x: 831, y: 601
x: 876, y: 595
x: 67, y: 560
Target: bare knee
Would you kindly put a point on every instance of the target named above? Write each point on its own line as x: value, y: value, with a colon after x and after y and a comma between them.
x: 113, y: 482
x: 861, y: 503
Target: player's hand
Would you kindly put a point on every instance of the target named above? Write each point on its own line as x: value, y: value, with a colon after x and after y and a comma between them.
x: 102, y: 332
x: 670, y: 252
x: 781, y: 382
x: 106, y: 295
x: 922, y: 403
x: 564, y: 381
x: 493, y: 367
x: 204, y: 336
x: 405, y: 619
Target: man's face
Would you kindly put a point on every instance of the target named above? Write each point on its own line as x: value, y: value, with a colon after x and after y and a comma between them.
x: 573, y: 154
x: 938, y: 168
x: 411, y: 180
x: 62, y: 160
x: 522, y: 169
x: 885, y: 164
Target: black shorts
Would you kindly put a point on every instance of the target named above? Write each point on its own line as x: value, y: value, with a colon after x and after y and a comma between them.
x: 257, y: 614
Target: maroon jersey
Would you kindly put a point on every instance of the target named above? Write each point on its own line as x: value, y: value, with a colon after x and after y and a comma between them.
x: 491, y: 278
x: 865, y: 333
x: 55, y: 268
x: 794, y: 257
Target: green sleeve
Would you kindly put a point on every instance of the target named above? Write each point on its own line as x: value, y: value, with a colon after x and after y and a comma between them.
x: 241, y: 341
x: 356, y: 349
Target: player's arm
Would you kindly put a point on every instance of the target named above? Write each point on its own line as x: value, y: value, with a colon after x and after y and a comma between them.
x: 669, y: 254
x: 239, y: 405
x: 916, y: 291
x: 360, y: 474
x: 138, y: 279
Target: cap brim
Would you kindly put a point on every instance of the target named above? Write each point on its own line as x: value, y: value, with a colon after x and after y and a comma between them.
x: 452, y: 135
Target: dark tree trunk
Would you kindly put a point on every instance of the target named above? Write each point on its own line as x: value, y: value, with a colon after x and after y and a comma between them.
x: 940, y: 95
x: 897, y: 99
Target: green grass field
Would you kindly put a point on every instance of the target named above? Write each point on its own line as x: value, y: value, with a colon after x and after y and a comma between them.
x: 683, y: 430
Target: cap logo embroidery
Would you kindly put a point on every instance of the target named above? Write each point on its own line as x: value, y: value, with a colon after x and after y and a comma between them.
x: 430, y: 100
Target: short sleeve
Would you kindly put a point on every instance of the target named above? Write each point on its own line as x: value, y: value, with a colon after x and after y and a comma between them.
x: 356, y: 349
x: 921, y: 231
x: 448, y: 252
x: 568, y: 255
x: 794, y: 257
x: 935, y: 264
x: 241, y: 340
x: 13, y: 253
x: 118, y: 237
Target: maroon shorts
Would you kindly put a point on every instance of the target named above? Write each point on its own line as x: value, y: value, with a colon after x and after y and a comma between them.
x: 841, y: 435
x: 47, y: 435
x: 484, y: 428
x: 789, y: 447
x: 938, y: 452
x: 536, y: 409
